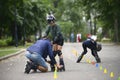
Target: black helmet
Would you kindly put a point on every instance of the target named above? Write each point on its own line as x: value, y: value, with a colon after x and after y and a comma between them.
x: 99, y: 47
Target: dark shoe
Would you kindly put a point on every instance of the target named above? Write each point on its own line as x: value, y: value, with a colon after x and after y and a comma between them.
x: 98, y: 60
x: 79, y: 59
x: 52, y: 68
x: 28, y: 67
x: 34, y: 68
x: 63, y: 68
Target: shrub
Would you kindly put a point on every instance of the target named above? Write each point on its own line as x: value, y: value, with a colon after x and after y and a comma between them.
x: 3, y: 43
x: 6, y: 42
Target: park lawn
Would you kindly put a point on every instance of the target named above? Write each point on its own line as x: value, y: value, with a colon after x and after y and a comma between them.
x: 12, y: 49
x: 7, y: 52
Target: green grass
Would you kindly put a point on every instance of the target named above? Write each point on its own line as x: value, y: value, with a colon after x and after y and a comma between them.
x: 4, y: 53
x: 11, y: 49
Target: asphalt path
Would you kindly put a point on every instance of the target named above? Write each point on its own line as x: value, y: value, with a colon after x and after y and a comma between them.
x: 13, y: 68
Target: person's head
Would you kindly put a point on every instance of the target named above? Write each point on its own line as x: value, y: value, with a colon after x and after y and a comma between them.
x: 44, y: 36
x: 50, y: 19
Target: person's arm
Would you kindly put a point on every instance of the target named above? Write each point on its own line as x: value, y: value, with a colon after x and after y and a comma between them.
x: 50, y: 53
x: 58, y: 33
x: 47, y: 30
x: 52, y: 56
x: 58, y: 30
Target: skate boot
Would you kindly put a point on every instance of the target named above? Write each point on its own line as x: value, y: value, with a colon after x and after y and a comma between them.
x: 52, y: 68
x: 98, y: 60
x: 30, y: 66
x: 62, y: 64
x: 62, y: 68
x: 79, y: 58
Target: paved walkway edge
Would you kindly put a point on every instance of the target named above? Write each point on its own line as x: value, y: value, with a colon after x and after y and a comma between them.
x: 11, y: 55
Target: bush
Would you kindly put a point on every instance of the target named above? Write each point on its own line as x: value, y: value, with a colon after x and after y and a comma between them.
x: 9, y: 42
x: 6, y: 42
x: 3, y: 43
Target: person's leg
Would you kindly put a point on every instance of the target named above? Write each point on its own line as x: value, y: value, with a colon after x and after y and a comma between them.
x: 54, y: 53
x: 54, y: 49
x: 42, y: 66
x: 95, y: 54
x: 61, y: 60
x: 42, y: 69
x: 30, y: 64
x: 83, y: 53
x: 38, y: 60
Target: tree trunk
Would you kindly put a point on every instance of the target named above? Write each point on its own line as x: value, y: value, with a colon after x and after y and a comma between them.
x: 0, y: 33
x: 91, y: 27
x: 95, y: 26
x: 116, y: 30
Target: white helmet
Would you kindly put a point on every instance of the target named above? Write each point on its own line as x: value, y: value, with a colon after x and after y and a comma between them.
x: 50, y: 16
x: 94, y: 37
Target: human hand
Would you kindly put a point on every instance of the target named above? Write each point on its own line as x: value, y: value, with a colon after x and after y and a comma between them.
x: 59, y: 66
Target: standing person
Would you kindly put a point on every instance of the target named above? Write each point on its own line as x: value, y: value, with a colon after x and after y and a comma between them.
x: 92, y: 45
x: 57, y: 39
x: 37, y: 54
x: 72, y: 37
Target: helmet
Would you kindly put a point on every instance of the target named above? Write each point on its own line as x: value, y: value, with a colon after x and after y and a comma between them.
x: 94, y: 37
x: 50, y: 17
x: 99, y: 47
x: 44, y: 35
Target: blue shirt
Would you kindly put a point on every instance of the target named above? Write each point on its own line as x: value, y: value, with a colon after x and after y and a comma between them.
x: 44, y: 48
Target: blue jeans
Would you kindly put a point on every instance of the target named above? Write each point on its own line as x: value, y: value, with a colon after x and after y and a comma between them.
x: 36, y: 58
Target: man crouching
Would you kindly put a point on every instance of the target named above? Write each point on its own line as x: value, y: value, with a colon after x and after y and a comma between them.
x: 37, y: 54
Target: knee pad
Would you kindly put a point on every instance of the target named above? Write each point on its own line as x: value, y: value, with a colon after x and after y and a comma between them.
x: 54, y: 53
x: 59, y: 52
x: 61, y: 61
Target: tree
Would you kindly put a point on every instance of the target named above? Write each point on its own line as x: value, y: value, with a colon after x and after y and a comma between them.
x: 27, y: 15
x: 108, y: 13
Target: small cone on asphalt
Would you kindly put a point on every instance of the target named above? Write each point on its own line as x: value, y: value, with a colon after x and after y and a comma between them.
x: 111, y: 74
x: 55, y: 73
x: 96, y: 65
x: 89, y: 61
x: 101, y: 68
x: 105, y: 70
x: 93, y: 63
x: 75, y: 52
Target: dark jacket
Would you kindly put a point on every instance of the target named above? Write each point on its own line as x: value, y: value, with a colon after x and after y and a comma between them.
x: 90, y: 44
x: 53, y: 30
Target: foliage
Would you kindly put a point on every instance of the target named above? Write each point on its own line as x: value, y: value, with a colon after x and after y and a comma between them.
x: 21, y: 19
x: 107, y: 12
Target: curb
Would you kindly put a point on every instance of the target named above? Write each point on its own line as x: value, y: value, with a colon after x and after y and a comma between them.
x: 11, y: 55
